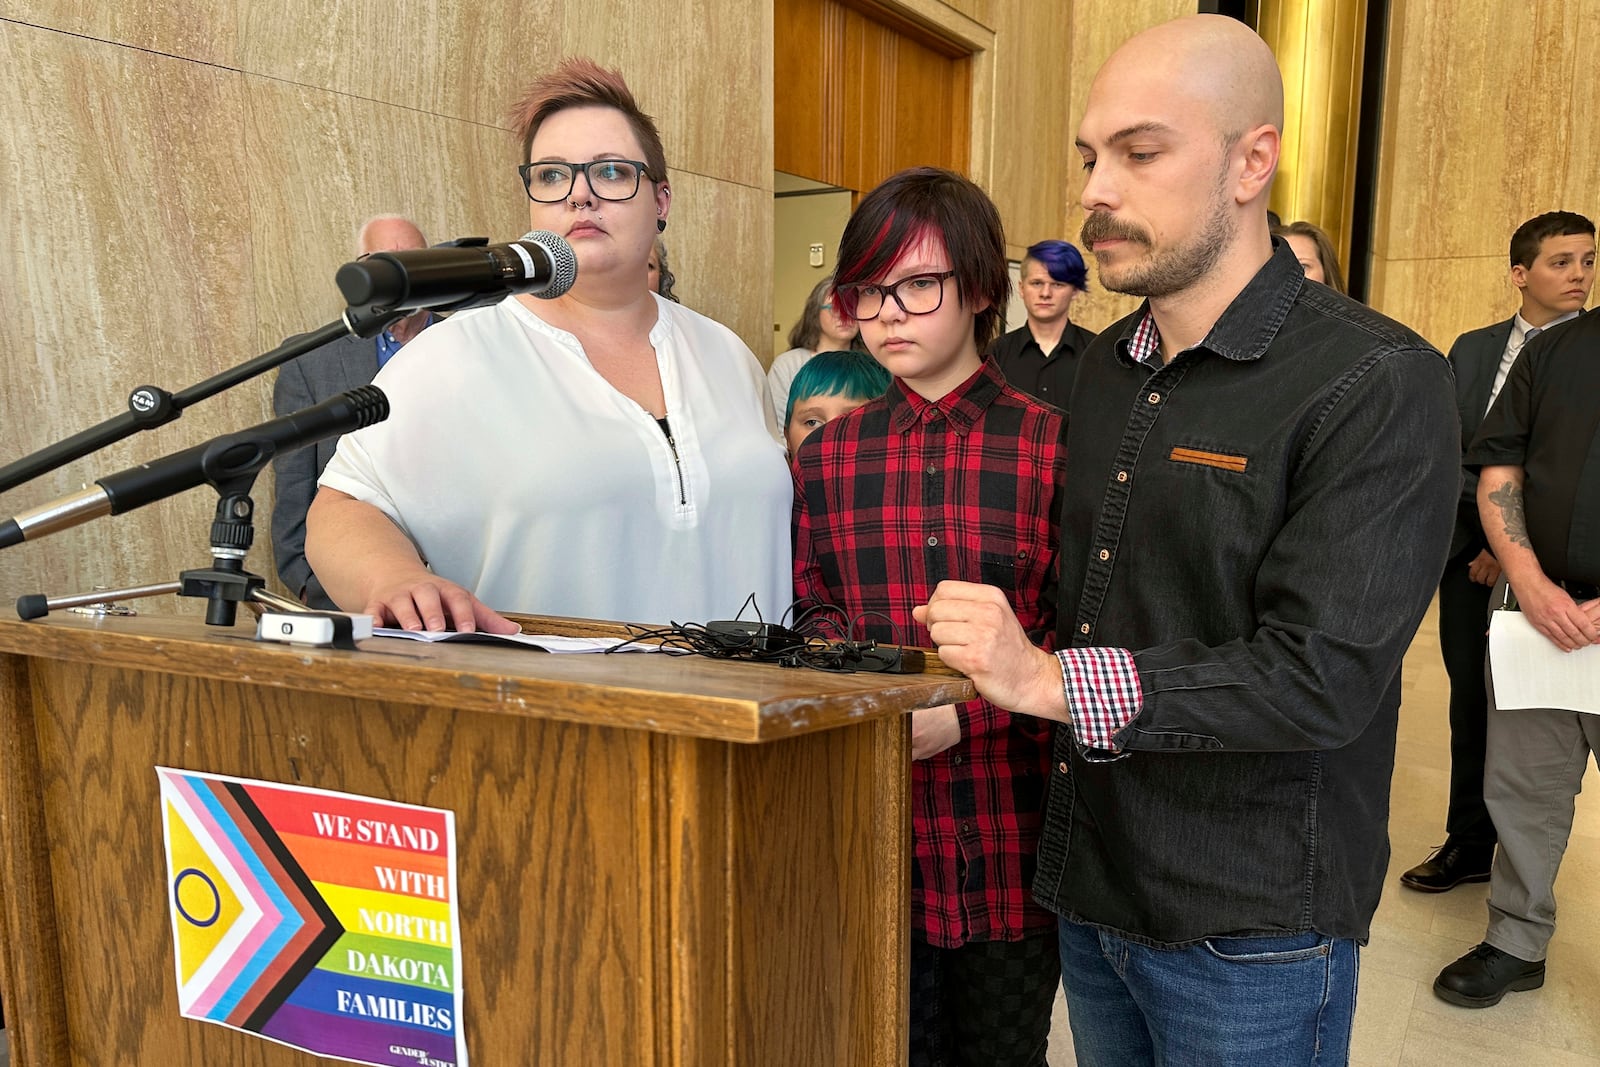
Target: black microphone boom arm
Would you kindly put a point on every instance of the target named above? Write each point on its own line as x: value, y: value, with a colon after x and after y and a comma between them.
x: 222, y: 461
x: 150, y: 406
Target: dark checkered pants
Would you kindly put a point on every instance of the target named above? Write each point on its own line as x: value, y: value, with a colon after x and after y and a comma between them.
x: 986, y: 1004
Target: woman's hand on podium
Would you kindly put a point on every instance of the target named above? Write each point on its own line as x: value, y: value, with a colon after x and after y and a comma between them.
x: 364, y: 561
x: 429, y: 602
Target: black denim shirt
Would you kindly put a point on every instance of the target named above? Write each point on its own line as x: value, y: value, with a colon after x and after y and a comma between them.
x: 1273, y: 509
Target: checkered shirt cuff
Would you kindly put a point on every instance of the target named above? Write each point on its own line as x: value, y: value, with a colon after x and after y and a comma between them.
x: 1103, y: 694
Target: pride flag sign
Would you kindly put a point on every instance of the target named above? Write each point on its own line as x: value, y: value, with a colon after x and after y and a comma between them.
x: 322, y: 921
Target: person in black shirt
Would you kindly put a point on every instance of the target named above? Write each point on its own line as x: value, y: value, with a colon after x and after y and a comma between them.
x: 1552, y: 268
x: 1261, y: 481
x: 1041, y: 356
x: 1539, y: 496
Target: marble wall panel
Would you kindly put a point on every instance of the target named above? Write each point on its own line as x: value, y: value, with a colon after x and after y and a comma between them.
x: 1485, y: 129
x: 1443, y: 298
x: 989, y: 12
x: 321, y: 163
x: 701, y: 68
x: 204, y: 30
x: 1034, y: 161
x: 719, y: 236
x: 126, y: 260
x: 464, y: 60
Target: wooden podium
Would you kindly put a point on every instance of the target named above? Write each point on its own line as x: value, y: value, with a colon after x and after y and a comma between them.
x: 662, y: 861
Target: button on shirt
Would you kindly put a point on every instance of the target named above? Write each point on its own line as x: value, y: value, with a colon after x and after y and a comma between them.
x: 1251, y: 535
x: 890, y: 500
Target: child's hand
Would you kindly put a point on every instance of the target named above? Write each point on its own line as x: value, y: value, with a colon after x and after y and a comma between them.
x: 933, y: 730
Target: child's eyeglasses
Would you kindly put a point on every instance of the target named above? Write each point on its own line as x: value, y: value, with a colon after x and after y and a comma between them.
x: 920, y: 294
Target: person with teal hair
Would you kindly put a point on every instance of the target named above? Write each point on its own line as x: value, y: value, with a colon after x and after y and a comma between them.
x: 830, y: 384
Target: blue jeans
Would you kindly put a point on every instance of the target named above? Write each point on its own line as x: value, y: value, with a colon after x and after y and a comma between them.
x: 1248, y: 1001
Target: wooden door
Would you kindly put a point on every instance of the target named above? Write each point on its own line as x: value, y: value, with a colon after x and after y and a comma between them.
x: 861, y: 94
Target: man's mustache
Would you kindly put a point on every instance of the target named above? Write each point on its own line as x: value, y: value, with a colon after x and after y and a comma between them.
x: 1102, y: 227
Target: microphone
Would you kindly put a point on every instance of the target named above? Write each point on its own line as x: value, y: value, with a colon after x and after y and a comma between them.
x: 541, y: 264
x: 230, y: 456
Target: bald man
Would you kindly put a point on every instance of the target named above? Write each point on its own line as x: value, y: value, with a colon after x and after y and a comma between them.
x: 314, y: 377
x: 1260, y: 488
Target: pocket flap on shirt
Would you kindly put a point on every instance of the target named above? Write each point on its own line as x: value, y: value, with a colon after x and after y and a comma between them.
x: 1221, y: 460
x: 999, y: 569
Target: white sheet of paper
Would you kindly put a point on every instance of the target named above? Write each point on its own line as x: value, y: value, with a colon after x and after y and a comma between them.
x: 1531, y: 672
x: 546, y: 642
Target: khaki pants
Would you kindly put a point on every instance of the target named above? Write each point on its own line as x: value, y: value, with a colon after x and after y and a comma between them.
x: 1533, y: 771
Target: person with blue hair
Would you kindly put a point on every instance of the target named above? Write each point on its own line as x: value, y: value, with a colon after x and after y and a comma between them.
x: 830, y: 384
x: 1040, y: 357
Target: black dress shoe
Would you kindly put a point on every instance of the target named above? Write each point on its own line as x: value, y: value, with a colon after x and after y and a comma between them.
x: 1449, y: 867
x: 1481, y: 977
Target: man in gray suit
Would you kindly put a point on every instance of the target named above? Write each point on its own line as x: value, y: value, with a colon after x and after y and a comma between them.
x: 312, y: 378
x: 1547, y: 267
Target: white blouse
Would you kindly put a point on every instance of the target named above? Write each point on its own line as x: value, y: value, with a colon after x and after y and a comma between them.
x: 523, y: 475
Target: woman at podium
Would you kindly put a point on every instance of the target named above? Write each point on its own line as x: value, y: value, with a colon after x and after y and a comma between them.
x: 603, y: 454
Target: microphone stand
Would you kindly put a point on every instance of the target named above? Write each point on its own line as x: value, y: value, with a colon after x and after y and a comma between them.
x: 150, y: 406
x: 37, y: 605
x: 225, y: 584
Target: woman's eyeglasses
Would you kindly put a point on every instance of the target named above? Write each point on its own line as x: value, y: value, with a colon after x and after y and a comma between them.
x: 552, y: 181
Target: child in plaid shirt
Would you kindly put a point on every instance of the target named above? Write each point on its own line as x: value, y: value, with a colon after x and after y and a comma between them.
x: 952, y: 475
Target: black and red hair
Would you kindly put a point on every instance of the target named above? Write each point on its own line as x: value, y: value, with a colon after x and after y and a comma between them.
x: 929, y: 202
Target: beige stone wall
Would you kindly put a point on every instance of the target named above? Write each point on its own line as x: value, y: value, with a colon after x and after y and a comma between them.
x: 178, y: 183
x: 1483, y: 129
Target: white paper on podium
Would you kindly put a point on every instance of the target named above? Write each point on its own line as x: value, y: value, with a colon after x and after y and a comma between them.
x: 538, y: 642
x: 1531, y: 672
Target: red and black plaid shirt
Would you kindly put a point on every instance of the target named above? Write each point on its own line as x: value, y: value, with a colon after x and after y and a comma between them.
x: 890, y: 500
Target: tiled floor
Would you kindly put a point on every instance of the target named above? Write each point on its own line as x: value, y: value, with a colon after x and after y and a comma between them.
x: 1398, y: 1019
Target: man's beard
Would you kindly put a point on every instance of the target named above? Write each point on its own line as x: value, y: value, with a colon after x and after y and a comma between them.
x: 1163, y: 272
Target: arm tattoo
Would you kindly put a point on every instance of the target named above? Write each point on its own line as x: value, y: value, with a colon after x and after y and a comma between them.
x: 1508, y: 498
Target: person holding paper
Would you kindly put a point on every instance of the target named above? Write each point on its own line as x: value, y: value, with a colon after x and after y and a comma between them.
x: 1547, y: 269
x: 1538, y: 451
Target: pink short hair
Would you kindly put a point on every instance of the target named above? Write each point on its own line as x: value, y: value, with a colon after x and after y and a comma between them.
x: 581, y: 82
